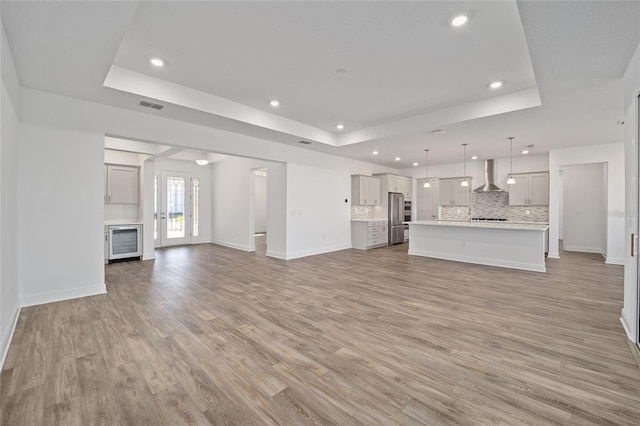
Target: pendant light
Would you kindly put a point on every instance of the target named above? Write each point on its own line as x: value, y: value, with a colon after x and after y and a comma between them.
x: 511, y: 180
x: 202, y: 161
x: 426, y: 170
x: 464, y: 165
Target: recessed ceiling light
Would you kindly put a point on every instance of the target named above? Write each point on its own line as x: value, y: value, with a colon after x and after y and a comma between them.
x: 375, y: 152
x: 475, y: 157
x: 620, y: 123
x: 438, y: 132
x: 525, y: 151
x: 340, y: 126
x: 340, y: 71
x: 303, y: 142
x: 397, y: 158
x: 415, y: 164
x: 274, y: 103
x: 459, y: 20
x: 156, y: 62
x: 496, y: 85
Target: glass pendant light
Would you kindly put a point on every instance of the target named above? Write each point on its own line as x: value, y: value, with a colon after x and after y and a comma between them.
x: 202, y: 161
x: 426, y: 170
x: 464, y: 165
x: 511, y: 180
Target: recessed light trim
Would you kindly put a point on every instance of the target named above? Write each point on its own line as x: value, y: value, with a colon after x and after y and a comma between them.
x: 375, y: 152
x: 496, y: 85
x: 525, y: 151
x: 475, y: 157
x: 459, y: 20
x: 274, y: 103
x: 339, y: 126
x: 397, y: 158
x: 415, y: 164
x: 156, y: 62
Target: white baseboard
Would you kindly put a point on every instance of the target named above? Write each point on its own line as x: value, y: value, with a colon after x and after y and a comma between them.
x: 277, y: 254
x: 553, y: 255
x: 583, y: 249
x: 614, y: 261
x: 313, y: 252
x: 627, y: 329
x: 233, y: 245
x: 57, y: 296
x: 489, y: 262
x: 4, y: 345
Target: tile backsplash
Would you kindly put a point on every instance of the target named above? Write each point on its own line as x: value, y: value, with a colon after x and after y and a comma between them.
x: 495, y: 205
x: 361, y: 212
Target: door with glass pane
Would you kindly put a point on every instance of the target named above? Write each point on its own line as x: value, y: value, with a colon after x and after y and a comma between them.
x: 175, y: 209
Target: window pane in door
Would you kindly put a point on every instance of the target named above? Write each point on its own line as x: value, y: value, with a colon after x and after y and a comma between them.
x: 196, y: 190
x: 175, y: 207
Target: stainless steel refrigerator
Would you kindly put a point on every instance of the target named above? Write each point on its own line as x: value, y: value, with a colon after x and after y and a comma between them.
x: 396, y: 216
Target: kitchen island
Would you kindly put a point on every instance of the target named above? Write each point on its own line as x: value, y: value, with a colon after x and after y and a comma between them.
x: 505, y: 244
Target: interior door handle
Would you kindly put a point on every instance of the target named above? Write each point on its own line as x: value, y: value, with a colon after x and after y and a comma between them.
x: 634, y: 245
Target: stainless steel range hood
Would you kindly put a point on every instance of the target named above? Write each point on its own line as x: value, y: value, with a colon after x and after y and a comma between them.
x: 489, y: 185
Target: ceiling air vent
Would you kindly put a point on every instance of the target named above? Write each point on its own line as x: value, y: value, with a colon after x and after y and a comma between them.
x: 151, y: 105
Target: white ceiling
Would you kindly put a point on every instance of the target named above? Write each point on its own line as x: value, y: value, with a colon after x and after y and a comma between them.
x: 407, y: 71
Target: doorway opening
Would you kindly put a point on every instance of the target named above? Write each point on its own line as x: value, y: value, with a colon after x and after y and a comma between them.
x: 258, y: 216
x: 583, y: 206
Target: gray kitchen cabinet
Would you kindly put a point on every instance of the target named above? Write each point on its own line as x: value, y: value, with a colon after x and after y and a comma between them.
x: 530, y: 189
x: 453, y: 194
x: 369, y: 234
x: 427, y: 199
x: 365, y: 190
x: 122, y: 183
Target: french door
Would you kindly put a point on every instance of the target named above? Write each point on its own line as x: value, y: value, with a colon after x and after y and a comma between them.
x: 175, y: 209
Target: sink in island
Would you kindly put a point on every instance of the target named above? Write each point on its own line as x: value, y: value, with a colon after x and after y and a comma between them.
x: 506, y: 244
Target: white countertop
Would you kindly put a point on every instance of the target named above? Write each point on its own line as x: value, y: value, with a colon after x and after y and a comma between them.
x: 122, y: 222
x: 484, y: 225
x: 369, y: 220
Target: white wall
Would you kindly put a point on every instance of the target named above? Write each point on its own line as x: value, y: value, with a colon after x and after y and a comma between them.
x: 9, y: 196
x: 233, y: 197
x: 605, y: 196
x: 260, y: 212
x: 61, y: 228
x: 613, y: 155
x: 277, y: 210
x: 561, y: 205
x: 629, y: 315
x: 584, y: 208
x: 319, y: 219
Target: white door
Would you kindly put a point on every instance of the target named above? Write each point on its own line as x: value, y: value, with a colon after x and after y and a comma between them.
x: 175, y: 209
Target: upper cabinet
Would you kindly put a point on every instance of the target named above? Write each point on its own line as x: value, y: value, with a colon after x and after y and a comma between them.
x: 395, y: 183
x: 365, y: 190
x: 427, y: 199
x: 530, y: 189
x: 453, y: 194
x: 121, y: 184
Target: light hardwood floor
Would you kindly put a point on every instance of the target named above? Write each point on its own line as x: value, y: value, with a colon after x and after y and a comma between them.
x: 207, y: 334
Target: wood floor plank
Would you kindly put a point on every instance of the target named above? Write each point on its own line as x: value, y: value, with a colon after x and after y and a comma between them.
x: 210, y: 335
x: 98, y: 399
x: 68, y: 413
